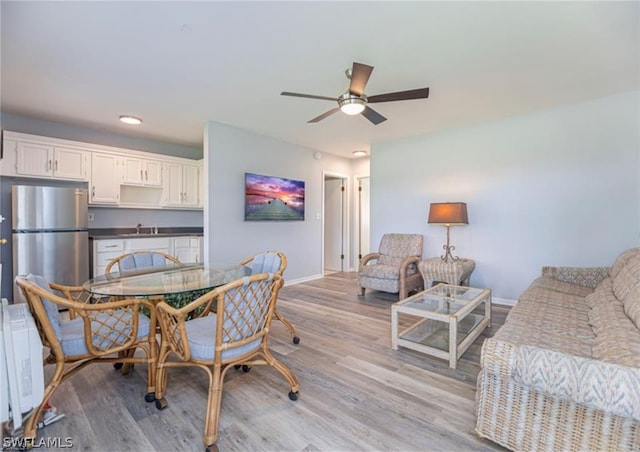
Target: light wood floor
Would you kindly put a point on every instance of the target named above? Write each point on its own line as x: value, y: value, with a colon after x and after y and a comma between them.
x: 356, y: 394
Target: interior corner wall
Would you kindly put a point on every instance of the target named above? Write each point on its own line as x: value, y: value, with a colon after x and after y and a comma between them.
x: 229, y: 153
x: 556, y: 187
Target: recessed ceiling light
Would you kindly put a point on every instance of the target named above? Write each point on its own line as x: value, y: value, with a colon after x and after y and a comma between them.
x: 359, y: 153
x: 127, y: 119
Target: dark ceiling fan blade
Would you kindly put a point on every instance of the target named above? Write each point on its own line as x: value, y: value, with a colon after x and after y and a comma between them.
x: 421, y: 93
x: 359, y: 78
x: 308, y: 96
x: 324, y: 115
x: 373, y: 115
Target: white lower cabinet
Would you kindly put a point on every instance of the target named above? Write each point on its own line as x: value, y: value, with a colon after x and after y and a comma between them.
x: 186, y: 249
x: 103, y: 252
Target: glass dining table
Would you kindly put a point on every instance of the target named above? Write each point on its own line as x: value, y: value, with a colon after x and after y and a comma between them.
x: 177, y: 285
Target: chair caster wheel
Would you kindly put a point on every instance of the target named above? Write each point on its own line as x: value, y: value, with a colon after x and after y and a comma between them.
x: 118, y: 366
x: 245, y: 368
x: 237, y: 366
x: 212, y: 448
x: 296, y: 340
x: 161, y: 404
x: 150, y: 397
x: 293, y: 395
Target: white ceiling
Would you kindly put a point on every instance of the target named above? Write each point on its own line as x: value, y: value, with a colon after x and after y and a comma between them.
x: 180, y: 64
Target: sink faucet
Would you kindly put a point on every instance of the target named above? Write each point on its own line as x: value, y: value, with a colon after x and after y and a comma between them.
x: 138, y: 226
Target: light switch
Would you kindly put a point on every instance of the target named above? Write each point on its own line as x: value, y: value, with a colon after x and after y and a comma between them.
x: 318, y: 217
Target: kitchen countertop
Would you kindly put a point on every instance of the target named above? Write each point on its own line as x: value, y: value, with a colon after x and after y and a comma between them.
x: 128, y: 233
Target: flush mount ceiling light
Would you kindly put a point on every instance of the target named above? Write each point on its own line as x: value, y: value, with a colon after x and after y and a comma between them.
x: 128, y: 119
x: 352, y: 105
x: 359, y: 153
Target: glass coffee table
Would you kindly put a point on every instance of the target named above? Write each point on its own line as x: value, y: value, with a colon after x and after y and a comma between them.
x: 442, y: 321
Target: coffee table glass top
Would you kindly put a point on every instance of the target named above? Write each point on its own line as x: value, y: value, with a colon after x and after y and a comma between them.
x: 443, y: 298
x: 164, y: 281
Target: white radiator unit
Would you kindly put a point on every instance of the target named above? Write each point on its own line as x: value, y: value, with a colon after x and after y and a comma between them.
x: 21, y: 367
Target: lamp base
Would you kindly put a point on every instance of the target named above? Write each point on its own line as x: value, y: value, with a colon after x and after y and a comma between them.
x: 447, y: 256
x: 448, y: 248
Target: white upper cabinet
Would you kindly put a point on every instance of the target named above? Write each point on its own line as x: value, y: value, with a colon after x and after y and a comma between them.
x: 142, y: 172
x: 181, y: 188
x: 105, y: 179
x: 117, y: 177
x: 47, y: 161
x: 190, y: 185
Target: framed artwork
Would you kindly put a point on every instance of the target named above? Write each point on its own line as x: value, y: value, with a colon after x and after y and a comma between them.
x: 270, y: 198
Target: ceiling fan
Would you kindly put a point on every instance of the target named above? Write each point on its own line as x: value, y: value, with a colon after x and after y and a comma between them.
x: 354, y: 101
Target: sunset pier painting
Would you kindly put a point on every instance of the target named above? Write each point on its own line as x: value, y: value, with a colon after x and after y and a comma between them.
x: 269, y: 198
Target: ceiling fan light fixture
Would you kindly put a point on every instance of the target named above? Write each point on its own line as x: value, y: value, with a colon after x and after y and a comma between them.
x: 351, y: 105
x: 128, y: 119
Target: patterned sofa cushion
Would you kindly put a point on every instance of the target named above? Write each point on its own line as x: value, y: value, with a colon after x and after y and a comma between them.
x: 603, y: 294
x: 632, y: 305
x: 539, y: 295
x: 617, y: 338
x: 627, y: 278
x: 537, y: 334
x: 621, y: 261
x: 548, y: 282
x: 380, y: 271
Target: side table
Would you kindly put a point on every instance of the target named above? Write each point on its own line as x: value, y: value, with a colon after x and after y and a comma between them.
x: 456, y: 273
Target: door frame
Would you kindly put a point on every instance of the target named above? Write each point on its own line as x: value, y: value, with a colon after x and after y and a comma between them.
x: 346, y: 212
x: 356, y: 220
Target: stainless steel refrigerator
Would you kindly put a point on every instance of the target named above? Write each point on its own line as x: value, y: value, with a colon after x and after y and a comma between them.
x: 50, y: 234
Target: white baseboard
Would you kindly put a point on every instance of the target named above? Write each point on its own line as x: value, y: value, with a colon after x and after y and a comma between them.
x: 494, y: 300
x: 290, y: 282
x: 503, y: 301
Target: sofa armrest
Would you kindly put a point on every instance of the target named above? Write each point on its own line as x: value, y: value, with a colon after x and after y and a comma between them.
x: 593, y: 383
x: 597, y: 384
x: 583, y: 276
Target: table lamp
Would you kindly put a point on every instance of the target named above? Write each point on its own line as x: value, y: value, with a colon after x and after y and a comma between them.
x: 448, y: 214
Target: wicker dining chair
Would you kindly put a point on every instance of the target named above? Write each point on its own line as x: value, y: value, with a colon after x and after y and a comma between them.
x: 236, y: 334
x: 272, y: 262
x: 100, y: 332
x: 140, y: 259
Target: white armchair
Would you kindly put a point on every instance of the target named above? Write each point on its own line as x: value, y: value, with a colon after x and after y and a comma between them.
x: 394, y: 268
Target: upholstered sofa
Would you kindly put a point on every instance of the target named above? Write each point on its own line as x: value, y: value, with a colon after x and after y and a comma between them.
x: 563, y: 372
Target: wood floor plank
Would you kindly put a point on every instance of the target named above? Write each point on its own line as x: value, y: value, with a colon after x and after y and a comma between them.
x: 356, y: 393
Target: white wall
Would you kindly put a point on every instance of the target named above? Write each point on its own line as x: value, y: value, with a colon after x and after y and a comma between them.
x: 229, y: 152
x: 556, y: 187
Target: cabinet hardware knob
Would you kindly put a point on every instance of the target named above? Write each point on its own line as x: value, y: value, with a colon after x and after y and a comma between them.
x: 3, y: 241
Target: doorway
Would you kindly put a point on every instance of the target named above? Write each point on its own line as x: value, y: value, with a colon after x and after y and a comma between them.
x: 335, y: 226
